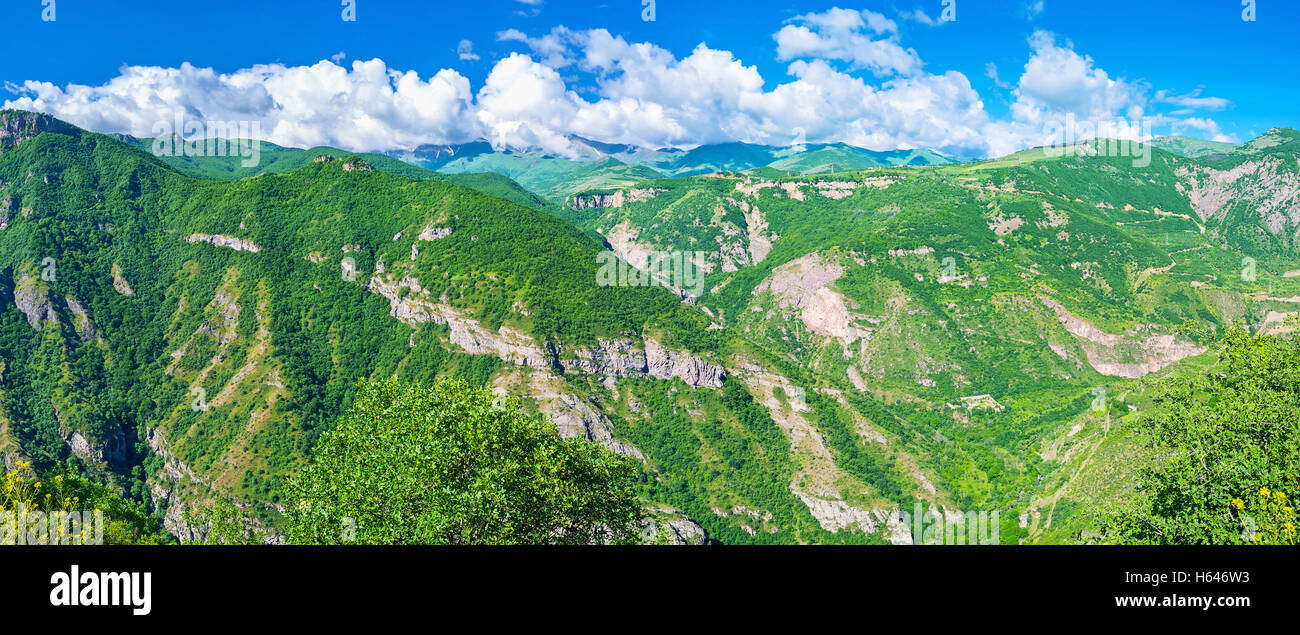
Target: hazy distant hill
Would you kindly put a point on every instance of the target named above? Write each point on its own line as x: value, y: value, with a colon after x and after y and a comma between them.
x: 1190, y: 147
x: 601, y: 165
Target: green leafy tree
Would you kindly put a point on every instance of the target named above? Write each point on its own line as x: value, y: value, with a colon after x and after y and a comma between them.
x: 1225, y: 447
x: 452, y: 465
x: 222, y: 523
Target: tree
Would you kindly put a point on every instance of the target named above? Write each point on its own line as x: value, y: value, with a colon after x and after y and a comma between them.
x: 220, y: 522
x: 1225, y: 447
x: 445, y: 465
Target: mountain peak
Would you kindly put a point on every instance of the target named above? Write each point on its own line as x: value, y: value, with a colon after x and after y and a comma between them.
x: 17, y: 126
x: 1273, y: 138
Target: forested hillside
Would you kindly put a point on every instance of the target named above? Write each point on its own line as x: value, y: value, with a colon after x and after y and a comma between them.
x: 191, y: 339
x: 988, y: 336
x: 994, y: 317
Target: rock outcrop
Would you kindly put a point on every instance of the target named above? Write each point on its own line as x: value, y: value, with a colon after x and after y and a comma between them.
x: 221, y: 240
x: 81, y: 320
x: 665, y: 364
x: 17, y: 127
x: 1270, y: 189
x: 119, y: 283
x: 1134, y: 354
x: 573, y: 416
x: 609, y: 358
x: 612, y: 200
x: 817, y: 482
x: 32, y: 297
x: 802, y: 287
x: 666, y: 525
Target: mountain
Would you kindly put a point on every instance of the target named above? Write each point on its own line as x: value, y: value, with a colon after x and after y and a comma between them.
x: 998, y: 322
x: 552, y: 177
x: 968, y: 336
x: 275, y: 159
x: 188, y: 339
x: 1191, y: 147
x: 840, y: 157
x: 601, y: 165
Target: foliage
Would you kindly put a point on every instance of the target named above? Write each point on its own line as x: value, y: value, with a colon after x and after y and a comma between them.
x: 1228, y: 432
x: 444, y: 465
x: 1267, y: 519
x: 68, y: 490
x: 221, y: 522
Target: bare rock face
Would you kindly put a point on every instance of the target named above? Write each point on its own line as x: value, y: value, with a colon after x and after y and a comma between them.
x: 220, y: 240
x: 81, y: 320
x: 1132, y: 355
x: 573, y: 416
x: 837, y: 515
x: 119, y: 283
x: 610, y: 358
x: 508, y: 344
x: 666, y: 364
x: 589, y: 201
x: 622, y: 358
x: 666, y: 525
x: 614, y: 200
x: 164, y: 486
x: 802, y: 287
x: 17, y: 126
x: 435, y: 233
x: 33, y: 299
x: 1270, y: 188
x: 93, y: 454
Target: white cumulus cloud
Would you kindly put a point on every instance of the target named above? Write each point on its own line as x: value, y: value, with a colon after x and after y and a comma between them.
x: 864, y: 39
x: 848, y: 78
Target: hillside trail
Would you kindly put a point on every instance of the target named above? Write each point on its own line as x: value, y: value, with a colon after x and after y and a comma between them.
x: 1056, y: 497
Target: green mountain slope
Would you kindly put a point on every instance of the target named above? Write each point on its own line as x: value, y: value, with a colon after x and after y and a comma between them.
x: 551, y: 177
x: 275, y: 159
x: 969, y: 336
x: 1191, y: 147
x: 189, y: 339
x: 603, y: 166
x: 992, y: 317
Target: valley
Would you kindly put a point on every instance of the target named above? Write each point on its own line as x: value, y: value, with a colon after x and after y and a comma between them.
x: 872, y: 330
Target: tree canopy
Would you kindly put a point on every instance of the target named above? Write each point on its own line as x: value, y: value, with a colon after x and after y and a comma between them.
x: 1226, y: 450
x: 452, y: 464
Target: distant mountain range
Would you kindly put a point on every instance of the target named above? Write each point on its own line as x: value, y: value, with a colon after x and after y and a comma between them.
x: 601, y: 165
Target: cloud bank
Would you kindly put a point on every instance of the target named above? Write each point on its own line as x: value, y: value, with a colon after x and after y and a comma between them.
x: 849, y: 79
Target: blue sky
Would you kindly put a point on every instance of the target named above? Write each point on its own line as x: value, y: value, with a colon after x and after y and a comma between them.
x: 877, y: 73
